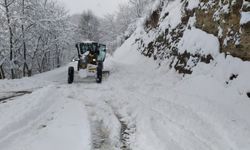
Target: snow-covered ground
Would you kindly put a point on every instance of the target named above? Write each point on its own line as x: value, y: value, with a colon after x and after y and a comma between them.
x: 139, y: 107
x: 47, y: 119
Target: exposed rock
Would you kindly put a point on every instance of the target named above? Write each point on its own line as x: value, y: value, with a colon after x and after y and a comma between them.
x: 153, y: 21
x: 233, y: 76
x: 220, y: 18
x: 235, y: 38
x: 246, y: 8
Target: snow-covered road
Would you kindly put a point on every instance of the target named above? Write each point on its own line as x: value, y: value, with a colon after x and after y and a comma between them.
x: 137, y: 107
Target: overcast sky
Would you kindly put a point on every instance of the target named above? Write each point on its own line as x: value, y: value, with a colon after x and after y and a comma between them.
x: 99, y: 7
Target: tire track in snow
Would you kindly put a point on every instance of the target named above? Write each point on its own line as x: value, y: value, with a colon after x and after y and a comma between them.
x: 11, y: 95
x: 31, y: 117
x: 202, y: 137
x: 124, y: 133
x: 101, y: 135
x: 144, y: 99
x: 126, y: 130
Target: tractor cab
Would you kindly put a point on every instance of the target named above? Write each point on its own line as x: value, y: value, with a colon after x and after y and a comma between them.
x: 94, y: 51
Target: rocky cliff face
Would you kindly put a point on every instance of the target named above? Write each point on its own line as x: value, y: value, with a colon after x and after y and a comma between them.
x: 225, y: 19
x: 186, y: 32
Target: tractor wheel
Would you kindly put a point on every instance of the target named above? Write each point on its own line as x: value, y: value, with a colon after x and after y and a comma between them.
x: 71, y: 75
x: 99, y: 73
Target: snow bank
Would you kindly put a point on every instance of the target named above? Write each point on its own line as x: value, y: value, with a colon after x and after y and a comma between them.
x: 193, y: 4
x: 174, y: 18
x: 127, y: 53
x: 197, y: 41
x: 208, y: 109
x: 205, y: 110
x: 245, y: 17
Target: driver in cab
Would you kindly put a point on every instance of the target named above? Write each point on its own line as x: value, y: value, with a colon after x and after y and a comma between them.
x: 91, y: 56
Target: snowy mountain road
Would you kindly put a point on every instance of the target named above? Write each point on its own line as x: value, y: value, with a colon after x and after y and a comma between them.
x: 135, y: 108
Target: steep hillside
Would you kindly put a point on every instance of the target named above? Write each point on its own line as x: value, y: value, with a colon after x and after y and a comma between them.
x: 186, y: 32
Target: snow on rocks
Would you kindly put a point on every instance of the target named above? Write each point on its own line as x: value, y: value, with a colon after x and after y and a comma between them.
x: 174, y: 14
x: 224, y: 9
x: 245, y: 18
x: 197, y: 41
x: 193, y: 4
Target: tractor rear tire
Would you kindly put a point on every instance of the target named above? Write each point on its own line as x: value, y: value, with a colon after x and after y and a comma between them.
x: 70, y: 75
x: 99, y: 73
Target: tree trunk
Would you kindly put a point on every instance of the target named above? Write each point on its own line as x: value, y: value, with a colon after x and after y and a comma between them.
x: 57, y: 56
x: 2, y: 76
x: 58, y: 61
x: 25, y: 66
x: 6, y: 5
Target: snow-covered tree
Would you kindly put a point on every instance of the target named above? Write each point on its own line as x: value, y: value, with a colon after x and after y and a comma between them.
x: 138, y: 7
x: 37, y: 35
x: 89, y: 26
x: 108, y: 31
x: 35, y: 38
x: 7, y: 7
x: 113, y: 27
